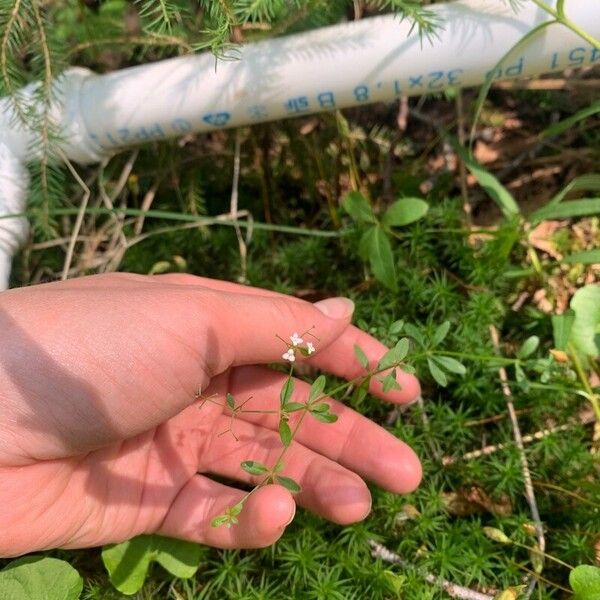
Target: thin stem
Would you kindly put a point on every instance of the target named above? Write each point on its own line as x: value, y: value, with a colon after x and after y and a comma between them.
x: 592, y: 397
x: 173, y: 216
x: 544, y: 554
x: 562, y: 18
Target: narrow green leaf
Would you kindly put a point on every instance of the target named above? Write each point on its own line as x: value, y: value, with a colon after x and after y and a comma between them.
x: 451, y: 364
x: 401, y: 348
x: 286, y: 391
x: 414, y: 333
x: 253, y: 467
x: 437, y: 373
x: 590, y: 182
x: 405, y: 211
x: 316, y: 389
x: 288, y: 483
x: 558, y: 128
x: 395, y: 355
x: 325, y: 417
x: 361, y: 356
x: 567, y: 210
x: 294, y: 406
x: 381, y: 258
x: 497, y: 192
x: 529, y: 346
x: 390, y: 382
x: 230, y: 401
x: 285, y: 433
x: 587, y: 257
x: 216, y: 522
x: 485, y: 88
x: 357, y: 206
x: 440, y: 333
x: 561, y: 329
x: 387, y: 360
x: 396, y: 327
x: 360, y: 392
x: 235, y: 510
x: 320, y: 408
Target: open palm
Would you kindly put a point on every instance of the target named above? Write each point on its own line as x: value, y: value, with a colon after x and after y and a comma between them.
x: 103, y: 436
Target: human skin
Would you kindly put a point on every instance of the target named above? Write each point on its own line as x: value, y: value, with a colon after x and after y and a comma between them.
x: 103, y: 436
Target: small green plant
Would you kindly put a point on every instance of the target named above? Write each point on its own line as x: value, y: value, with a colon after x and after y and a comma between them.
x: 128, y: 563
x: 585, y: 581
x: 375, y: 246
x: 316, y: 404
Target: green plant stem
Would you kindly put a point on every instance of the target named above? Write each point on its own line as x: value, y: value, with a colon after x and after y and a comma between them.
x: 482, y: 357
x: 562, y: 18
x: 544, y: 554
x: 591, y: 396
x: 175, y: 216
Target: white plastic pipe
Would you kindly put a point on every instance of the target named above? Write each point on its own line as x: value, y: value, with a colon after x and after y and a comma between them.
x: 350, y: 64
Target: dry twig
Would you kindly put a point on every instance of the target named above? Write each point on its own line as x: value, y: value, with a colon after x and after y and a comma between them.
x: 452, y: 589
x: 584, y: 419
x: 529, y: 493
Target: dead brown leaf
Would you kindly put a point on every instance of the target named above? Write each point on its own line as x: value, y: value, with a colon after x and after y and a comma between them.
x: 475, y: 500
x: 541, y: 237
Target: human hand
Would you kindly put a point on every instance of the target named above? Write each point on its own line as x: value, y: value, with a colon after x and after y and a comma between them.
x: 102, y: 437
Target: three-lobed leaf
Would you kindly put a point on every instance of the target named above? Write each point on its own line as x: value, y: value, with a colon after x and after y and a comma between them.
x: 128, y: 563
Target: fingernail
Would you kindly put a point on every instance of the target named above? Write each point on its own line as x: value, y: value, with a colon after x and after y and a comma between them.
x: 336, y: 308
x: 291, y: 516
x: 368, y: 510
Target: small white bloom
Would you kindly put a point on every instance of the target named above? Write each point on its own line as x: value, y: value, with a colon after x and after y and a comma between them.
x: 289, y: 355
x: 296, y: 339
x: 310, y: 347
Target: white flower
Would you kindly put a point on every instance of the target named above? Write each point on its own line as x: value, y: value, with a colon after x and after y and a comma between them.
x: 296, y: 339
x: 289, y: 355
x: 310, y: 347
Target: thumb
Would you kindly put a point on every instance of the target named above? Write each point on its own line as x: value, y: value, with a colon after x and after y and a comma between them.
x: 252, y: 329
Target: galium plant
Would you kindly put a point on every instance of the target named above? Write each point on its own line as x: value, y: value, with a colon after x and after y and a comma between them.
x: 317, y: 407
